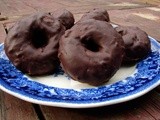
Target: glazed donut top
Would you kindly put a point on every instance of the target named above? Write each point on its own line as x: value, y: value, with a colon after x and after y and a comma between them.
x: 137, y: 43
x: 65, y: 17
x: 89, y: 51
x: 97, y: 14
x: 32, y: 43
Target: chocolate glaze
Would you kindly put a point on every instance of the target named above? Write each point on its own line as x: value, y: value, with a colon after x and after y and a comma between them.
x: 137, y: 43
x: 97, y: 14
x: 32, y: 44
x: 91, y: 51
x: 65, y: 17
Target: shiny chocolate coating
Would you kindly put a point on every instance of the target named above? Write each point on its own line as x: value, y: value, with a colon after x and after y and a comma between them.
x: 97, y: 14
x: 91, y: 51
x: 65, y: 17
x: 137, y: 43
x: 32, y: 44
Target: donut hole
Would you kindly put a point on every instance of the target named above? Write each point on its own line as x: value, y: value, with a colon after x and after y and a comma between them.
x: 90, y: 44
x: 39, y: 38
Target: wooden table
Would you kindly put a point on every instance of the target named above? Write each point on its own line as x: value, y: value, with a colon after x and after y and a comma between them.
x: 142, y: 13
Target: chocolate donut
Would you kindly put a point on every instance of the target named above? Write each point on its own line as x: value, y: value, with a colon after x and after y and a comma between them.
x: 97, y: 14
x: 137, y: 43
x: 91, y: 51
x: 65, y: 17
x: 32, y: 44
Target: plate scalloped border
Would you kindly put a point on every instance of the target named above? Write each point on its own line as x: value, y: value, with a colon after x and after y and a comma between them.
x: 122, y: 98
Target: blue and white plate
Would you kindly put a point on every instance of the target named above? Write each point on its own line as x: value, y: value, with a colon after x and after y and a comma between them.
x: 61, y: 91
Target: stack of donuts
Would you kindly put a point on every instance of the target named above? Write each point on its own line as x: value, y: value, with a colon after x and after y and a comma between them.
x: 89, y: 51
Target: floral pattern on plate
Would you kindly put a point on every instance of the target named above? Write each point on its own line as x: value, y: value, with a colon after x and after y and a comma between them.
x: 145, y: 78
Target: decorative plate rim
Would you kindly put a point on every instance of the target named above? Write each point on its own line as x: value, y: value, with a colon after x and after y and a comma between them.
x: 154, y: 82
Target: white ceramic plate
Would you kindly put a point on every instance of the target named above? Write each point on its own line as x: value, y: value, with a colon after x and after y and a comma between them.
x: 61, y: 91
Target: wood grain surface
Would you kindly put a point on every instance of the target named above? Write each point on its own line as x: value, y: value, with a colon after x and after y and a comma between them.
x: 142, y: 13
